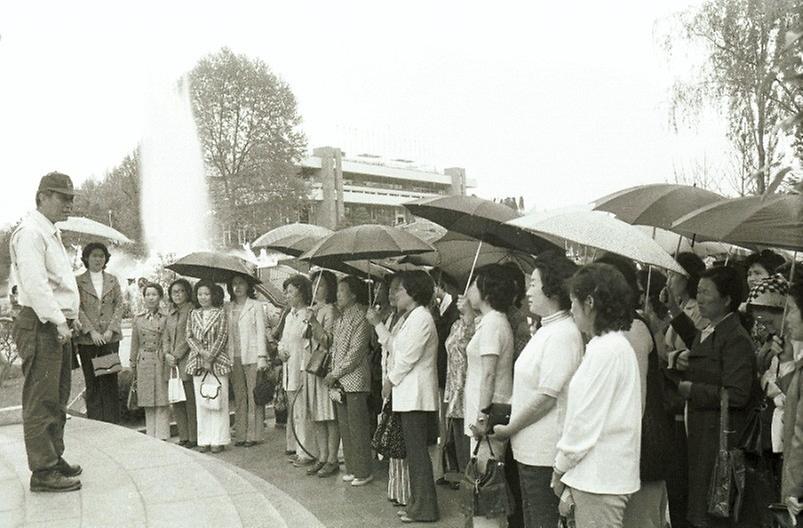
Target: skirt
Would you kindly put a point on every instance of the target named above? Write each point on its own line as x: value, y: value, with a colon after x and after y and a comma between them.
x: 320, y: 407
x: 398, y: 480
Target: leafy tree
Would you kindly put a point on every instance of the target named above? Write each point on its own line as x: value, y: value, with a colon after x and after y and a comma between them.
x: 744, y: 75
x: 250, y: 133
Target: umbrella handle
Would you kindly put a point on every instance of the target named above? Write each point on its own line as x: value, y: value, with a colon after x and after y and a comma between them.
x: 473, y: 265
x: 647, y: 293
x: 315, y: 288
x: 791, y: 276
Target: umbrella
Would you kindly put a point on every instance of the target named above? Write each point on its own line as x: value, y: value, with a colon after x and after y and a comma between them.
x: 365, y: 242
x: 601, y: 231
x: 424, y: 229
x: 774, y: 220
x: 80, y: 224
x: 657, y: 204
x: 294, y: 245
x: 455, y: 255
x: 477, y: 218
x: 217, y: 267
x: 289, y: 232
x: 674, y: 243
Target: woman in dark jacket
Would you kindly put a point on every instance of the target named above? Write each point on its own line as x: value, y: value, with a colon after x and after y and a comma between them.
x: 721, y: 357
x: 100, y: 314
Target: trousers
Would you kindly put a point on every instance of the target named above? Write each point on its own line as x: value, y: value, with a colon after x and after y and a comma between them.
x: 352, y: 420
x: 46, y: 365
x: 184, y: 413
x: 249, y: 417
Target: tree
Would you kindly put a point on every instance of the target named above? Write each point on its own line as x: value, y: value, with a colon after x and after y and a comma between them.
x: 744, y: 76
x: 248, y: 124
x: 114, y: 200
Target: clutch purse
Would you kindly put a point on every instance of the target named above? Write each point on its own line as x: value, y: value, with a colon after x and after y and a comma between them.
x: 105, y: 365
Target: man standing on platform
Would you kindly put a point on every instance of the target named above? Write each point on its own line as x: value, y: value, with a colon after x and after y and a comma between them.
x: 49, y: 300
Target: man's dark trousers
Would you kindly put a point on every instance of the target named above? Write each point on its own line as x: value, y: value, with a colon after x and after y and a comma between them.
x: 46, y: 365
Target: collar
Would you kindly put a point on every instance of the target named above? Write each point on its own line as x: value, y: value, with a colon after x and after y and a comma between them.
x: 43, y: 222
x: 555, y: 317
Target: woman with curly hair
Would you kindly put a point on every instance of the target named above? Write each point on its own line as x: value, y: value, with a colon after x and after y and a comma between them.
x: 597, y: 462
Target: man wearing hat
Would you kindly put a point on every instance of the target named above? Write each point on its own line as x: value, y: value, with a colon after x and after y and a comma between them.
x: 49, y: 300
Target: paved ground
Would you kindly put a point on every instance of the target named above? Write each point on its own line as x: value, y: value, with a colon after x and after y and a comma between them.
x: 131, y: 480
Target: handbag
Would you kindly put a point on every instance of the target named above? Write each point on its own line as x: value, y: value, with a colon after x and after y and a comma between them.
x: 264, y: 388
x: 486, y: 494
x: 319, y: 360
x: 388, y: 439
x: 498, y: 414
x: 132, y: 402
x: 728, y: 477
x: 175, y: 387
x: 210, y: 392
x: 107, y: 364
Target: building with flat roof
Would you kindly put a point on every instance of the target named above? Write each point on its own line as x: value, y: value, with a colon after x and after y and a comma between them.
x: 368, y: 190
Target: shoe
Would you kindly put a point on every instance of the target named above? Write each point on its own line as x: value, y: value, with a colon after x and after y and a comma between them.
x: 67, y: 469
x: 190, y: 444
x: 348, y: 477
x: 52, y: 481
x: 292, y: 459
x: 328, y: 470
x: 315, y: 469
x: 362, y: 481
x: 249, y: 444
x: 203, y: 449
x: 289, y: 452
x: 239, y: 444
x: 303, y: 462
x: 401, y: 513
x: 442, y: 482
x: 217, y: 449
x: 183, y: 443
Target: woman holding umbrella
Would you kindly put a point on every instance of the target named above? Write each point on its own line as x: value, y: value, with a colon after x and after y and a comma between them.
x: 210, y: 365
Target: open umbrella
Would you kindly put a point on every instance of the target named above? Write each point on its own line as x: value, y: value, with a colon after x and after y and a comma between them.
x: 774, y: 220
x: 87, y: 226
x: 669, y: 241
x: 657, y: 204
x: 455, y: 254
x: 365, y: 242
x: 217, y: 267
x: 291, y: 232
x: 598, y: 230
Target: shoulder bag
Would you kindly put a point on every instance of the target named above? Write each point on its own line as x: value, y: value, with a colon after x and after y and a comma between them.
x: 175, y: 387
x: 728, y: 477
x: 211, y: 396
x: 486, y: 494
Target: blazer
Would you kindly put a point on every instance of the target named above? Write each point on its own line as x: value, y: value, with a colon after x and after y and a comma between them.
x: 350, y: 365
x: 251, y: 332
x: 174, y: 338
x: 414, y: 371
x: 99, y: 311
x: 210, y: 338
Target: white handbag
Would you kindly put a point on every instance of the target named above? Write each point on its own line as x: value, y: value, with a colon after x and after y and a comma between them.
x: 211, y: 396
x: 175, y: 387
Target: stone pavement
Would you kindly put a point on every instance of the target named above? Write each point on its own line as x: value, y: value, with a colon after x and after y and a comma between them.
x: 131, y: 480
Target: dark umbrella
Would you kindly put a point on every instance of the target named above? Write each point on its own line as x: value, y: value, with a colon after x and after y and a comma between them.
x: 774, y: 220
x: 365, y: 242
x: 217, y: 267
x: 656, y: 205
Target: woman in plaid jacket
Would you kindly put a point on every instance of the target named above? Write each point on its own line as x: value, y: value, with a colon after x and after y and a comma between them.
x: 209, y: 364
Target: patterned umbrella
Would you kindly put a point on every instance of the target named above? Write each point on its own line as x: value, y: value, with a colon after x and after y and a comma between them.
x: 598, y: 230
x: 774, y: 220
x: 655, y: 205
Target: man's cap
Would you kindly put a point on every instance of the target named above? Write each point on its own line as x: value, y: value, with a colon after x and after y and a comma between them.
x: 58, y: 182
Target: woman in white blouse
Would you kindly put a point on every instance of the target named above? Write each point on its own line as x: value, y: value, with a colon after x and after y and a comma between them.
x: 598, y: 454
x: 412, y: 381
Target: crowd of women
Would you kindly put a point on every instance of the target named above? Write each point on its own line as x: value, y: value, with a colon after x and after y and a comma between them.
x: 616, y: 380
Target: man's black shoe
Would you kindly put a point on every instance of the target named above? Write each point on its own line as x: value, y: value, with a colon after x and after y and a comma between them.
x: 53, y: 481
x: 68, y: 470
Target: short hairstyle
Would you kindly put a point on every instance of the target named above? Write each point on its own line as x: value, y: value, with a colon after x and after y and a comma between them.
x: 516, y: 276
x: 329, y: 280
x: 693, y: 266
x: 796, y: 293
x: 214, y: 289
x: 184, y: 283
x: 767, y: 259
x: 612, y: 299
x: 155, y: 286
x: 440, y: 277
x: 302, y: 284
x: 555, y: 270
x: 89, y: 248
x: 495, y: 287
x: 357, y: 288
x: 728, y: 282
x: 251, y: 292
x: 626, y: 267
x: 418, y: 285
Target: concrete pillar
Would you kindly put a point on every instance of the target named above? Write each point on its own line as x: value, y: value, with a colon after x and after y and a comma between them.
x: 330, y: 210
x: 458, y: 176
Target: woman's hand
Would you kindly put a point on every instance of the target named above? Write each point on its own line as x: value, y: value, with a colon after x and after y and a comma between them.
x: 208, y: 366
x: 682, y: 360
x: 668, y: 298
x: 794, y: 506
x: 329, y: 380
x: 262, y: 363
x: 464, y: 307
x: 107, y: 336
x: 97, y: 338
x: 556, y: 484
x: 373, y: 317
x: 387, y: 389
x: 501, y: 432
x: 170, y: 359
x: 480, y: 427
x: 284, y: 355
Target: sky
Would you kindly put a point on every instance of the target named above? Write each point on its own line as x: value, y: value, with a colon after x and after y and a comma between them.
x: 559, y: 102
